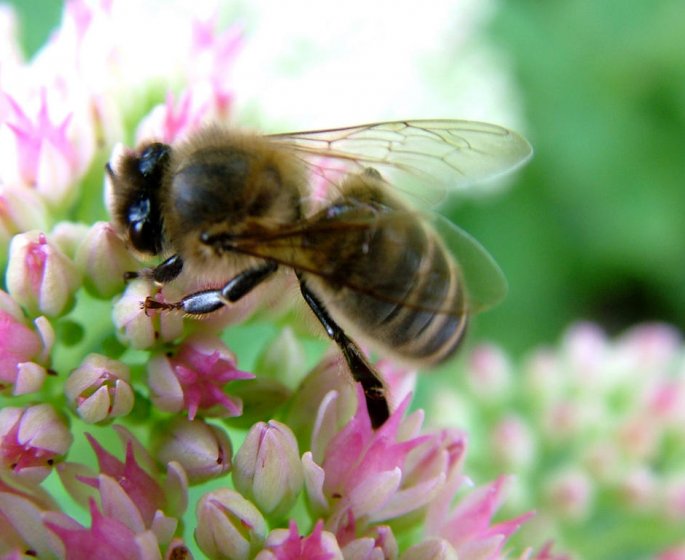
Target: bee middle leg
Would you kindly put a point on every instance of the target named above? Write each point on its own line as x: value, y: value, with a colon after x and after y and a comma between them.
x: 164, y: 272
x: 362, y: 371
x: 208, y: 301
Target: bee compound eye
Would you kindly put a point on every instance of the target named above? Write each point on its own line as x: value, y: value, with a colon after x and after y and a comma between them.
x: 152, y: 158
x: 139, y: 211
x: 144, y: 236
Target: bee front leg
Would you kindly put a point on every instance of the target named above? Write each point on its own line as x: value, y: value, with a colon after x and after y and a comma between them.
x: 208, y: 301
x: 164, y: 272
x: 362, y: 371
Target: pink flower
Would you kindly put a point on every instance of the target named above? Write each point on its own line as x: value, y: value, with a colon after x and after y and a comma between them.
x: 203, y: 450
x: 267, y: 468
x: 490, y: 373
x: 468, y: 527
x: 133, y: 492
x: 99, y: 389
x: 141, y: 488
x: 380, y: 545
x: 40, y: 276
x: 228, y: 525
x: 512, y: 443
x: 366, y: 476
x: 193, y: 378
x: 173, y: 119
x: 103, y: 259
x: 323, y: 403
x: 21, y: 526
x: 32, y: 440
x: 21, y: 209
x: 212, y: 55
x: 139, y: 329
x: 107, y: 537
x: 24, y: 351
x: 46, y: 157
x: 209, y: 96
x: 676, y: 552
x: 287, y: 544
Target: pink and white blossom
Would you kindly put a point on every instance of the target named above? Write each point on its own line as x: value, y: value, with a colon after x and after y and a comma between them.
x: 193, y: 377
x: 40, y: 277
x: 32, y: 440
x: 24, y: 349
x: 99, y: 389
x: 267, y: 468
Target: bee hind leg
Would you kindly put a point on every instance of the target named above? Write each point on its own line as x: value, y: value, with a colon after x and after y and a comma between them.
x: 362, y: 371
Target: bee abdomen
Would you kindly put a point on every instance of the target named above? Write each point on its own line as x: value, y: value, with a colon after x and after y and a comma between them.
x: 414, y: 303
x: 428, y: 324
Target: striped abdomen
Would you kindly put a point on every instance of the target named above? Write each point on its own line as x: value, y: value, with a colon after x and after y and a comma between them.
x: 393, y: 281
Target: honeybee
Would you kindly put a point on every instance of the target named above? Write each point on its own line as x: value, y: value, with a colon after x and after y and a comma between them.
x: 367, y: 259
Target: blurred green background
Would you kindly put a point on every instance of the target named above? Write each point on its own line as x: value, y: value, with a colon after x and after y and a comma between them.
x: 594, y: 227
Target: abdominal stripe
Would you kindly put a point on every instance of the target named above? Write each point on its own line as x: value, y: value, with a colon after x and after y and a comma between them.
x: 433, y: 332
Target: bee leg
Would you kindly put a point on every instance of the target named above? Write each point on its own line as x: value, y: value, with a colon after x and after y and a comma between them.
x: 208, y: 301
x: 362, y: 371
x: 164, y: 272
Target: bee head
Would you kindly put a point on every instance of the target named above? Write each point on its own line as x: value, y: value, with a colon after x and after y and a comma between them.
x: 136, y: 183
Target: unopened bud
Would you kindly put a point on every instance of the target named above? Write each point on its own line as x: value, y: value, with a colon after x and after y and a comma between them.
x: 267, y: 468
x: 40, y: 276
x: 103, y: 259
x: 99, y: 389
x: 382, y: 544
x: 32, y: 439
x: 228, y: 526
x: 203, y: 450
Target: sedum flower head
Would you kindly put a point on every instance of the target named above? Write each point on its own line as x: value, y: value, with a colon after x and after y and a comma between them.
x: 287, y: 544
x: 159, y: 398
x: 193, y: 378
x: 107, y: 537
x: 267, y: 468
x: 40, y: 277
x: 99, y: 389
x: 32, y: 440
x: 203, y: 450
x: 593, y: 429
x: 24, y: 349
x: 229, y: 526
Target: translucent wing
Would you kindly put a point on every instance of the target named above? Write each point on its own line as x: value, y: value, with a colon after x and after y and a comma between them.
x: 484, y: 280
x: 424, y: 157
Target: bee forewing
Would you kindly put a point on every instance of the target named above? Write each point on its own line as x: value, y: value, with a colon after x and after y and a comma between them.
x: 423, y: 157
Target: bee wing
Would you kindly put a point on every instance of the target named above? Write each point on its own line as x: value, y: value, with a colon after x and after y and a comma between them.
x: 300, y: 247
x: 485, y: 283
x: 423, y: 157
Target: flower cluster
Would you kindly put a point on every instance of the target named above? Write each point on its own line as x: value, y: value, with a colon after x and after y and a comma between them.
x: 82, y: 365
x: 595, y: 431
